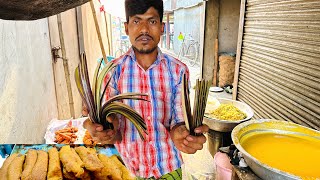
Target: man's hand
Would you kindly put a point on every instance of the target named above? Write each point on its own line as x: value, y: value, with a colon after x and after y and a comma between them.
x: 104, y: 136
x: 185, y: 142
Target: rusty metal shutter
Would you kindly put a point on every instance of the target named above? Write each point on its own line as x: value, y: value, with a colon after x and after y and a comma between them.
x: 278, y: 60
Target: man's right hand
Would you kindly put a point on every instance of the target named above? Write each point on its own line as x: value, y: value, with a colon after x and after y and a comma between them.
x: 108, y: 136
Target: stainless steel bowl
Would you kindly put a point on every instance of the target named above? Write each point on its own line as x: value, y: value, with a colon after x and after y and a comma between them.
x: 244, y: 130
x: 228, y: 125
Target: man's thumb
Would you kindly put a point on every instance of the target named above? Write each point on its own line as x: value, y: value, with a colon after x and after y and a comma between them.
x: 183, y: 131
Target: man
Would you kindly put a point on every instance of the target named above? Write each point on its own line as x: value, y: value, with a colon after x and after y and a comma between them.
x: 145, y: 69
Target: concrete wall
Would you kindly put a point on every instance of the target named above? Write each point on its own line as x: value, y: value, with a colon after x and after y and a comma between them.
x: 229, y: 25
x: 187, y: 3
x: 27, y: 92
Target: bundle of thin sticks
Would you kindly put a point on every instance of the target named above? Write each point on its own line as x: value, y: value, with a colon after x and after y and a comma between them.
x: 201, y: 95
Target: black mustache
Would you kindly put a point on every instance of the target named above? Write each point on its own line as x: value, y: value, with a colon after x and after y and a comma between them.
x: 144, y: 35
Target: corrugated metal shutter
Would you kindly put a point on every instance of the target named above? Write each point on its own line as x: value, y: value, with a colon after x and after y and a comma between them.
x: 279, y: 69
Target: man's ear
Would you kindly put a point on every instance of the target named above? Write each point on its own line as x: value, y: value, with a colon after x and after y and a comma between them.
x: 126, y: 28
x: 162, y: 28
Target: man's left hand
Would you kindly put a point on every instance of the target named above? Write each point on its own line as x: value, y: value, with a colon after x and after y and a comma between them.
x: 185, y: 142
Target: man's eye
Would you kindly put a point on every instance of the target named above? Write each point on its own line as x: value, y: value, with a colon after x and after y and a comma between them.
x: 135, y: 21
x: 153, y: 21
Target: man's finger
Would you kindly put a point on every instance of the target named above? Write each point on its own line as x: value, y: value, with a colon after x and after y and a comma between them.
x: 202, y: 129
x: 91, y: 127
x: 194, y: 146
x: 104, y: 135
x: 114, y: 120
x: 110, y: 118
x: 98, y: 127
x: 111, y: 132
x: 188, y: 150
x: 183, y: 131
x: 87, y: 123
x: 196, y: 139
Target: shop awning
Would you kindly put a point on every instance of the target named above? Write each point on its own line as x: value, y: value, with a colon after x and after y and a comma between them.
x: 35, y: 9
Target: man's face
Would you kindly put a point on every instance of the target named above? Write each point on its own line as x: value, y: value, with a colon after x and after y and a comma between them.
x: 144, y: 31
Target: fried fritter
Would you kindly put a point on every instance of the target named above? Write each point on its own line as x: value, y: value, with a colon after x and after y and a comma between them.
x: 68, y: 175
x: 15, y: 168
x: 54, y: 169
x: 5, y: 165
x: 92, y: 150
x: 71, y: 161
x: 39, y: 171
x: 31, y: 159
x: 90, y: 159
x: 126, y: 174
x: 109, y: 171
x: 86, y: 175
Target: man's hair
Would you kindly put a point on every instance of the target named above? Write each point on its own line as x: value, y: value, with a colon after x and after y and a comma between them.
x: 134, y: 7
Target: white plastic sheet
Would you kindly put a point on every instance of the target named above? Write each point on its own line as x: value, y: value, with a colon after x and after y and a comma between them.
x: 55, y: 125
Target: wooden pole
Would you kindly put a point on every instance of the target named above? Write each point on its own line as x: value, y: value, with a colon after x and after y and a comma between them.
x: 66, y: 66
x: 239, y: 50
x: 107, y: 31
x: 98, y: 32
x: 211, y: 31
x: 216, y: 62
x: 168, y: 31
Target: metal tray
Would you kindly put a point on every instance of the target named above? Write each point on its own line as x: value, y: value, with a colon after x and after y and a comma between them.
x: 228, y: 125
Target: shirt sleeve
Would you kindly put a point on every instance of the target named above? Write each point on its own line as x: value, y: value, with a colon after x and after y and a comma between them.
x: 177, y: 115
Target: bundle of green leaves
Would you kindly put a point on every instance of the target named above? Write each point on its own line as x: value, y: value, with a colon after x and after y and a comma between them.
x: 92, y: 97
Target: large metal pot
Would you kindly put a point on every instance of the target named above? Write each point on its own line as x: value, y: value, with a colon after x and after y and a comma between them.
x: 246, y: 129
x: 228, y: 125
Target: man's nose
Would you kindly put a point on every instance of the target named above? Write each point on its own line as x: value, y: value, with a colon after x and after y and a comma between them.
x: 144, y: 28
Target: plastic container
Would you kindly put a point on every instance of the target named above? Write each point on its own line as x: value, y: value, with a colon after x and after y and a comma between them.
x: 223, y: 166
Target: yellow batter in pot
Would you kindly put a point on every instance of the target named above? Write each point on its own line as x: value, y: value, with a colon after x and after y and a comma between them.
x: 294, y: 154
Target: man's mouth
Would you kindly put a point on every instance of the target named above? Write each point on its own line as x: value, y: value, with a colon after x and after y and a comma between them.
x: 144, y: 38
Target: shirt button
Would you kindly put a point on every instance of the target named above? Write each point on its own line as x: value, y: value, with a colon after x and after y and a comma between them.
x: 149, y: 118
